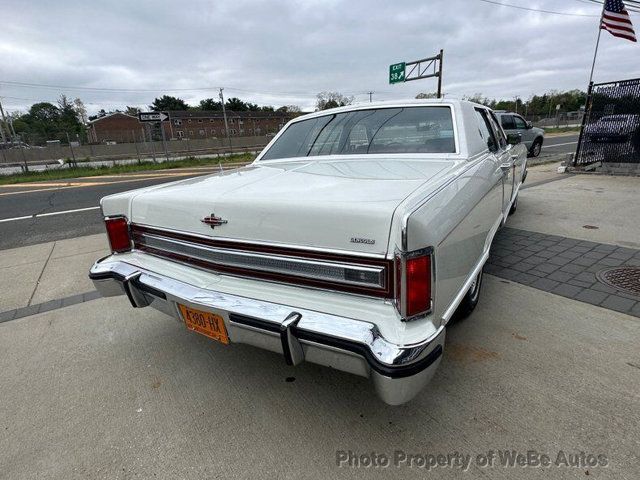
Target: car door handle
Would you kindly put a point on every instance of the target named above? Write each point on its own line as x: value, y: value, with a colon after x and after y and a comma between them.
x: 506, y: 166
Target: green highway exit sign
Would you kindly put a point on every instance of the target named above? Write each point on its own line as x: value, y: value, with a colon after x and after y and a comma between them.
x: 396, y: 72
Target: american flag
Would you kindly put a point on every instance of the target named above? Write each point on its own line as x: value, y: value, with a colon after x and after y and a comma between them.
x: 616, y: 21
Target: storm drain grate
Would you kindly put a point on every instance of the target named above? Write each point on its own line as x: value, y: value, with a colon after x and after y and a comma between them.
x: 626, y: 279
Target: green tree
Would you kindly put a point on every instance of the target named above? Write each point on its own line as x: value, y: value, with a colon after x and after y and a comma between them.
x: 236, y: 105
x: 167, y: 102
x: 326, y: 100
x: 133, y: 111
x: 45, y: 121
x: 425, y: 95
x: 289, y: 109
x: 209, y: 104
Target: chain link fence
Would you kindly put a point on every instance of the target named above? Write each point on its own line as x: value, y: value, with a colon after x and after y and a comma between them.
x: 75, y: 153
x: 610, y: 132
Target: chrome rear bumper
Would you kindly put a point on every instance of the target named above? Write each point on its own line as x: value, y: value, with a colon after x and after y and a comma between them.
x: 398, y: 372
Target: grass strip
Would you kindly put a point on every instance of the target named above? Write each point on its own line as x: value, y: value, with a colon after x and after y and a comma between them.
x: 88, y: 171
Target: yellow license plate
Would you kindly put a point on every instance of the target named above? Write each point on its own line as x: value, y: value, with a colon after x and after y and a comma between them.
x: 206, y: 323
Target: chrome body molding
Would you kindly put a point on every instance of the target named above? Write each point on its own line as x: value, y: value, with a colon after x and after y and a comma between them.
x: 421, y: 201
x: 261, y: 243
x: 398, y: 372
x: 347, y: 273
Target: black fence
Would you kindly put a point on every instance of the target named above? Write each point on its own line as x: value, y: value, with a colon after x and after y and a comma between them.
x: 610, y: 130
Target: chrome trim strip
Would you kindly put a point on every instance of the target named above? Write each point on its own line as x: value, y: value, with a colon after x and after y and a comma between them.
x: 301, y: 248
x: 446, y: 316
x: 274, y: 263
x: 448, y: 313
x: 400, y: 303
x: 384, y: 354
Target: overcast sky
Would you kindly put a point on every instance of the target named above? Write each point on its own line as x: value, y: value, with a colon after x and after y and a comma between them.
x: 284, y: 52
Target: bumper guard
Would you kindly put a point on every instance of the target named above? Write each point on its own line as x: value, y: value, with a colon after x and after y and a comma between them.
x: 398, y: 372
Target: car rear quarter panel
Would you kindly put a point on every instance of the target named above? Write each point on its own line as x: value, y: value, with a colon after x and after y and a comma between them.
x: 459, y: 222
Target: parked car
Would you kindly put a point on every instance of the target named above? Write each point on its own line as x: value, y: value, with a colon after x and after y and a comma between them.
x: 613, y: 128
x: 532, y: 137
x: 351, y: 241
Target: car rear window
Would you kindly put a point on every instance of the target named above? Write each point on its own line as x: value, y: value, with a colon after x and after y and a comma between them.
x: 384, y: 130
x: 507, y: 122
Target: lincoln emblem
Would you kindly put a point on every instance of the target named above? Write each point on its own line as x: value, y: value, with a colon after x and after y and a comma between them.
x: 213, y: 221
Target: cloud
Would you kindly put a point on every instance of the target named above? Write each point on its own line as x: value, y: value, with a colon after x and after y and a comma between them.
x: 284, y: 52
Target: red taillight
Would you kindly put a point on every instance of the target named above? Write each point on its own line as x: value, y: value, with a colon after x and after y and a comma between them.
x: 118, y: 233
x: 413, y: 284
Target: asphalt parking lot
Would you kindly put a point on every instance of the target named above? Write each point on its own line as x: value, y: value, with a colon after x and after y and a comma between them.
x: 94, y: 389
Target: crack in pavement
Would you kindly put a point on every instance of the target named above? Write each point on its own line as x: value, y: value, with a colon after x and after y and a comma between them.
x: 41, y: 273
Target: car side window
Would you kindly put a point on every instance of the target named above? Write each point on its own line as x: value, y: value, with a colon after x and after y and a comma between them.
x: 507, y: 122
x: 484, y: 127
x: 520, y: 123
x: 502, y: 138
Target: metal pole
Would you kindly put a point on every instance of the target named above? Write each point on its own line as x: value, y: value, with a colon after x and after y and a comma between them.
x: 73, y: 155
x: 133, y: 134
x: 170, y: 126
x: 441, y: 57
x: 226, y: 125
x: 595, y: 53
x: 370, y: 96
x: 24, y: 158
x: 2, y: 127
x: 164, y: 141
x: 585, y: 121
x: 153, y: 149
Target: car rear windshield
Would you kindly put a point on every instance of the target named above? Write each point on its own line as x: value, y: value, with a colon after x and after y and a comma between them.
x: 383, y: 130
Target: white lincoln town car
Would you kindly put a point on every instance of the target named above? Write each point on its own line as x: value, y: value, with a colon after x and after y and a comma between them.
x: 351, y: 241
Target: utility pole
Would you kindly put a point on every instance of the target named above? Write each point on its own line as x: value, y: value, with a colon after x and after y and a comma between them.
x: 370, y: 96
x: 226, y: 124
x: 4, y: 123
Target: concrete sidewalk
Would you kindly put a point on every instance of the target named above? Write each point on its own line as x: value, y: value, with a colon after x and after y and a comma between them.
x: 48, y: 271
x: 97, y: 390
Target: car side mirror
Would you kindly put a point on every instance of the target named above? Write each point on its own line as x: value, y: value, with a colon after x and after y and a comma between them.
x: 514, y: 138
x: 529, y: 125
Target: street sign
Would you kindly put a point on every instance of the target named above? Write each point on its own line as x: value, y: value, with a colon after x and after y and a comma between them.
x: 152, y: 116
x: 396, y: 72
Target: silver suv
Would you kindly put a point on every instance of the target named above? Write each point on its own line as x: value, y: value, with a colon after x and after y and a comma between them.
x: 532, y: 136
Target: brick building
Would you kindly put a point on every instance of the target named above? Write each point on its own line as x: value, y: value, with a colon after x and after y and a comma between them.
x: 114, y: 127
x: 189, y: 124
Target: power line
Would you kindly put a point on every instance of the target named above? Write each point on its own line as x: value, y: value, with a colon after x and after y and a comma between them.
x: 160, y: 90
x: 150, y: 90
x: 539, y: 10
x: 630, y: 6
x: 98, y: 89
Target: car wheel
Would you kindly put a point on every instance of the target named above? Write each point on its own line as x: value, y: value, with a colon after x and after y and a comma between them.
x: 470, y: 300
x: 514, y: 206
x: 536, y: 148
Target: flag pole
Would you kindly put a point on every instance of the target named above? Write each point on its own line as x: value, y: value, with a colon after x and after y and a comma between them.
x: 595, y: 53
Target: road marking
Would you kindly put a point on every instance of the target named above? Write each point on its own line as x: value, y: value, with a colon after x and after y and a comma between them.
x: 87, y: 184
x: 42, y: 184
x: 559, y: 144
x: 50, y: 214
